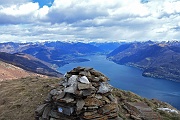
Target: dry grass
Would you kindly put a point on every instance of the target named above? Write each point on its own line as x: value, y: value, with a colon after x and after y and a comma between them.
x: 19, y: 98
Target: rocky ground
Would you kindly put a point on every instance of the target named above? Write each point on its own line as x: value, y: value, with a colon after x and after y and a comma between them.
x: 19, y: 99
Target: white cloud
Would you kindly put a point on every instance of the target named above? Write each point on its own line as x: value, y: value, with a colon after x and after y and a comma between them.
x: 12, y: 2
x: 18, y: 13
x: 97, y: 20
x: 20, y: 10
x: 42, y: 13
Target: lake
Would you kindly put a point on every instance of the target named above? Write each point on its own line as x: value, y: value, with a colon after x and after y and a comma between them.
x: 131, y: 79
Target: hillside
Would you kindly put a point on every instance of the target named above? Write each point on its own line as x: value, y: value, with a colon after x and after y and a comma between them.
x: 29, y: 63
x: 158, y: 60
x: 10, y: 72
x: 19, y: 101
x: 19, y: 98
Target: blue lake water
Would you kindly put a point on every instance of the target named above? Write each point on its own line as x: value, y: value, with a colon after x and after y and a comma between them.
x: 131, y: 79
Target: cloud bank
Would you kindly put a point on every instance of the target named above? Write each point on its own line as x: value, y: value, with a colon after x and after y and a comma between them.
x: 90, y: 20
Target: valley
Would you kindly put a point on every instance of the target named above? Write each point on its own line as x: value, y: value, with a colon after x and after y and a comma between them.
x: 157, y: 60
x: 131, y: 79
x: 89, y: 60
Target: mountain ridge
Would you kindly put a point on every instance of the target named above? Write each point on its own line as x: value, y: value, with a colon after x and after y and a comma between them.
x: 28, y: 63
x: 59, y: 53
x: 26, y: 90
x: 158, y: 60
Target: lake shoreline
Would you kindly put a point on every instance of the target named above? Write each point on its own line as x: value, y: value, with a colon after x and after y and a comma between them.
x: 130, y: 78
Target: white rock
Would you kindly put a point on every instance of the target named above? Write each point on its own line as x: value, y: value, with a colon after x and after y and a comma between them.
x: 84, y: 79
x: 104, y: 88
x: 168, y: 110
x: 72, y: 80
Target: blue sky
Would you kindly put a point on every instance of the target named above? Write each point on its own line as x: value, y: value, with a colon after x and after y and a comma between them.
x: 89, y: 20
x: 44, y: 2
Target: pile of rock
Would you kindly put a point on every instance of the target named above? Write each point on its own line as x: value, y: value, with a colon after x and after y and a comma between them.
x: 83, y: 94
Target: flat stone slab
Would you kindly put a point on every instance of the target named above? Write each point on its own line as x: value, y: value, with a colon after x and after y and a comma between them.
x: 80, y: 104
x: 93, y: 102
x: 143, y: 110
x: 82, y: 86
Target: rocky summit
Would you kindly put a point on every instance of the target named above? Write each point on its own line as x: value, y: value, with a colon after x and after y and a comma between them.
x: 83, y: 94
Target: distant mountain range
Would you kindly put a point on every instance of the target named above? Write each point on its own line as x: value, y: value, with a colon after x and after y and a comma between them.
x: 11, y: 47
x: 42, y: 57
x: 107, y: 47
x: 22, y: 60
x: 59, y: 53
x: 159, y: 60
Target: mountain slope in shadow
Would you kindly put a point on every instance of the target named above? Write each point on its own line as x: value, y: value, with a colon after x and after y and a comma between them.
x: 159, y: 60
x: 29, y: 63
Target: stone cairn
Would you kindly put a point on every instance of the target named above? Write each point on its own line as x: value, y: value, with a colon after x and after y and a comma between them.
x: 83, y: 94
